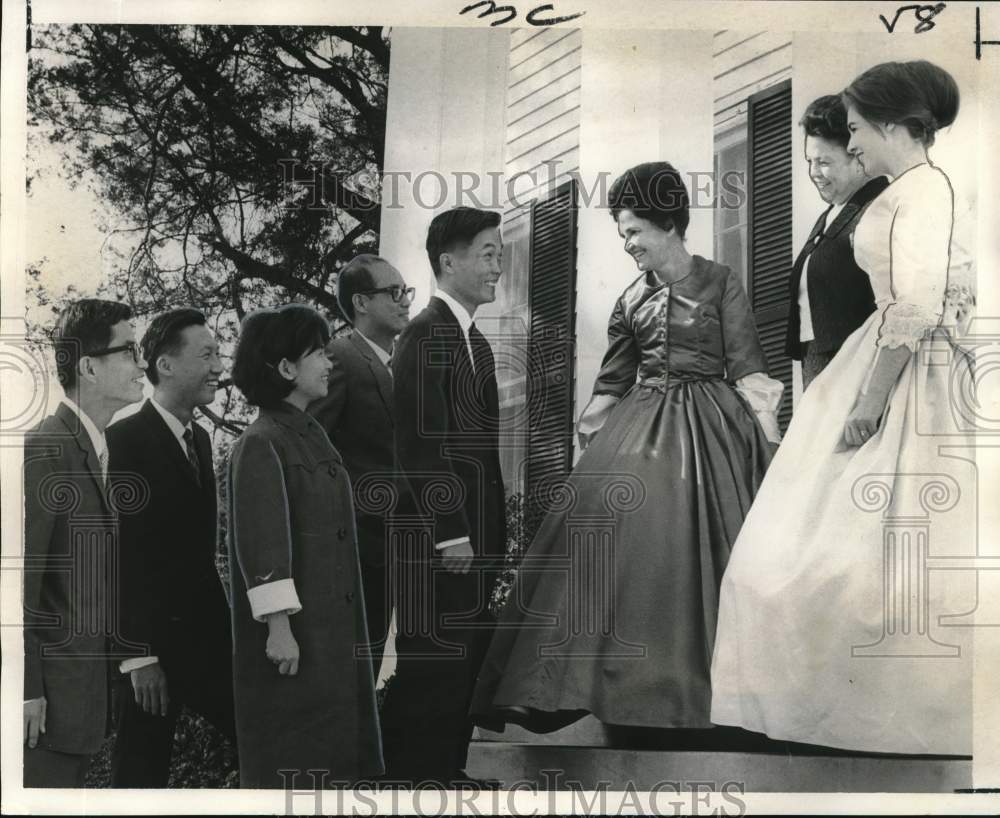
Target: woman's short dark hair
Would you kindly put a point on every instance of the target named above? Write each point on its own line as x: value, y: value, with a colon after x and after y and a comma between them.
x: 355, y: 277
x: 84, y: 326
x: 918, y: 94
x: 653, y: 191
x: 826, y: 118
x: 456, y: 228
x: 266, y: 337
x: 164, y: 336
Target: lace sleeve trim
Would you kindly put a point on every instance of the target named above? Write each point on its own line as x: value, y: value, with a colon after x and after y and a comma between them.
x: 905, y: 325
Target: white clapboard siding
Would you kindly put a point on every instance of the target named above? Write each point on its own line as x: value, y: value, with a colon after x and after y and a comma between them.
x: 542, y: 135
x: 745, y: 62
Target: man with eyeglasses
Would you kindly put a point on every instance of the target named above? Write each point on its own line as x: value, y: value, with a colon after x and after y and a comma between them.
x: 70, y: 539
x: 172, y: 601
x: 357, y: 414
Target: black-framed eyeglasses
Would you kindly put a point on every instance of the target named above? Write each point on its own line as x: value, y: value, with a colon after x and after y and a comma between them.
x: 398, y: 293
x: 129, y: 346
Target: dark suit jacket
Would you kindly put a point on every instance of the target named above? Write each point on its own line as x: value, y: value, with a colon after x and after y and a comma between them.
x: 447, y: 430
x: 69, y: 529
x: 172, y: 598
x: 357, y: 416
x: 840, y: 293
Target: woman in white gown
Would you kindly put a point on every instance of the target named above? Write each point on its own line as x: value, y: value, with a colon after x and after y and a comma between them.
x: 831, y: 629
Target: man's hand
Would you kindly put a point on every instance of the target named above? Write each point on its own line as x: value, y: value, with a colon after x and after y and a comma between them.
x: 149, y: 684
x: 457, y: 558
x: 34, y: 720
x: 281, y: 647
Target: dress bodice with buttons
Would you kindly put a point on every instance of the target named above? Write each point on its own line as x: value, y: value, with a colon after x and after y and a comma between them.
x: 700, y: 326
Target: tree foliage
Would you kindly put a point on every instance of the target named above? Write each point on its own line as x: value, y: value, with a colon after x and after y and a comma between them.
x: 243, y: 160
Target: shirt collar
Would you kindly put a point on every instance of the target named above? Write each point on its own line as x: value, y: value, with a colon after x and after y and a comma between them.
x: 97, y: 439
x: 172, y: 422
x: 832, y: 214
x: 383, y: 356
x: 461, y: 313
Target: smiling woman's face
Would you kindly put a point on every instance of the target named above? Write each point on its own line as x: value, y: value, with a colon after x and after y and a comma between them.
x: 868, y: 143
x: 648, y: 244
x: 833, y: 170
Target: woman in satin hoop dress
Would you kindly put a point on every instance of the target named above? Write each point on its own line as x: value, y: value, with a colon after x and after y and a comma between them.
x: 613, y: 609
x: 832, y: 630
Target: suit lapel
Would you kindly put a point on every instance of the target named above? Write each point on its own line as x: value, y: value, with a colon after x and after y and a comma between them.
x: 446, y: 316
x: 816, y: 236
x: 383, y: 379
x: 858, y: 202
x: 88, y: 455
x: 847, y: 213
x: 168, y: 443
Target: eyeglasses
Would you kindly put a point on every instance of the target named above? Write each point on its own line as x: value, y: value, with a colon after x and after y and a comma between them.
x: 398, y: 293
x: 130, y: 346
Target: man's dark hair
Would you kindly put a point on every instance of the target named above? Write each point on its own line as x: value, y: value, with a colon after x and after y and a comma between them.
x: 826, y: 117
x: 355, y: 277
x: 267, y: 336
x: 164, y: 336
x: 84, y: 326
x: 456, y: 228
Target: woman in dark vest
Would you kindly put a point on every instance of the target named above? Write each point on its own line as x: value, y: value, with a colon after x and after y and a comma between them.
x: 830, y: 295
x: 304, y: 698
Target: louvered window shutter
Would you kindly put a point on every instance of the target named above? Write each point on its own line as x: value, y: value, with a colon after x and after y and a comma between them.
x: 552, y: 307
x: 769, y: 227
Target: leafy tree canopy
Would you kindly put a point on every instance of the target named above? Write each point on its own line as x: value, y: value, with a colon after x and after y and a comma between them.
x: 243, y: 160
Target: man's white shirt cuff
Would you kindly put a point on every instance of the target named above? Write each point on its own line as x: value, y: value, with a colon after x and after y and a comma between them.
x: 128, y: 665
x: 448, y: 543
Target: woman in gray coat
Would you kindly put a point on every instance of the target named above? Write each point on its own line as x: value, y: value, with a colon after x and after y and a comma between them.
x: 304, y: 699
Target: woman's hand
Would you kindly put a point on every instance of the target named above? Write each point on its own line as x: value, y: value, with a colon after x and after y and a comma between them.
x: 863, y: 421
x: 281, y: 648
x: 868, y: 409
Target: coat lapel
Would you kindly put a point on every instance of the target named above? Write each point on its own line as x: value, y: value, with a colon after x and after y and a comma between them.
x: 446, y: 316
x: 169, y: 444
x: 381, y: 374
x: 847, y: 213
x: 856, y: 204
x: 91, y: 462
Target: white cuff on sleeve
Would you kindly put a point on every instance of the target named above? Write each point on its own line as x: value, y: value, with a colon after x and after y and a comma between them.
x: 273, y: 597
x: 764, y: 396
x: 448, y: 543
x: 128, y: 665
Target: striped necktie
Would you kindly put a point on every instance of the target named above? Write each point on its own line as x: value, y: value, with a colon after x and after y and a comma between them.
x: 192, y: 455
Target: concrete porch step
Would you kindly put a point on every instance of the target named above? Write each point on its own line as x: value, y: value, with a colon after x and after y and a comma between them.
x: 557, y: 767
x: 587, y: 752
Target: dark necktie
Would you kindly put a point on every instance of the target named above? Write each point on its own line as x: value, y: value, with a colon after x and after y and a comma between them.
x: 192, y: 455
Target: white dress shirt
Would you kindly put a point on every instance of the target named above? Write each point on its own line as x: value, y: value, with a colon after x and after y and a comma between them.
x: 464, y: 320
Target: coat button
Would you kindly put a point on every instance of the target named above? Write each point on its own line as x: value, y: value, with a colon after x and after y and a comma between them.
x: 341, y: 533
x: 349, y: 596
